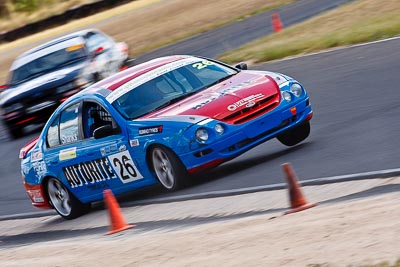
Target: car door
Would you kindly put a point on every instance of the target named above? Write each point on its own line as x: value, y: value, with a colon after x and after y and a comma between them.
x: 63, y: 156
x: 86, y: 165
x: 108, y: 161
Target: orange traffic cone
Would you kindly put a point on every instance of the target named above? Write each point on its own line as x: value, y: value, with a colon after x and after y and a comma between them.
x: 116, y: 219
x: 297, y: 200
x: 276, y: 22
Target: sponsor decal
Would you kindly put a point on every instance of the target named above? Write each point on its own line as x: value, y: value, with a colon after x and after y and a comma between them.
x: 122, y: 148
x: 108, y: 149
x: 203, y: 64
x: 205, y: 102
x: 96, y: 172
x: 67, y: 154
x: 235, y: 88
x: 39, y: 167
x: 36, y: 155
x: 74, y: 47
x: 35, y: 195
x: 248, y: 102
x: 134, y: 142
x: 69, y: 139
x: 150, y: 130
x: 222, y: 93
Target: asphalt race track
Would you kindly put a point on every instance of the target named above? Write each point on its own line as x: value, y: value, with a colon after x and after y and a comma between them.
x: 355, y: 127
x: 215, y: 42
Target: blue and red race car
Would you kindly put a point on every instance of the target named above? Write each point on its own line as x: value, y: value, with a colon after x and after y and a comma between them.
x: 158, y: 122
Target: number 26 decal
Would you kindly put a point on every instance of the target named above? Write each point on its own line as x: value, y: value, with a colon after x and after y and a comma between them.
x: 124, y: 166
x: 202, y: 65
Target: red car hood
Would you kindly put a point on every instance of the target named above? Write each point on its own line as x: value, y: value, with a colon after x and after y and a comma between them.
x: 235, y: 100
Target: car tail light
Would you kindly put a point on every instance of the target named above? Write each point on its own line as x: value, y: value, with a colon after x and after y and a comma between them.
x: 123, y: 47
x: 27, y: 147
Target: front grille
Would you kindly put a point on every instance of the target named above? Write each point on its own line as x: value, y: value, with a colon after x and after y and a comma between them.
x: 40, y: 97
x: 203, y: 152
x: 48, y: 94
x: 246, y: 114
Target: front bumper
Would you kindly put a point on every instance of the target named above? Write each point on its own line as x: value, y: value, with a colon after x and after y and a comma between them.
x: 23, y: 118
x: 244, y: 137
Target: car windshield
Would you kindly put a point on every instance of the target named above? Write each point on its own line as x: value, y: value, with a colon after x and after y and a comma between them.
x: 171, y: 87
x: 48, y: 62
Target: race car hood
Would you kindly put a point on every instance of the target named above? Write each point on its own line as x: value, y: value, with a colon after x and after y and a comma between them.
x: 35, y: 86
x: 236, y: 95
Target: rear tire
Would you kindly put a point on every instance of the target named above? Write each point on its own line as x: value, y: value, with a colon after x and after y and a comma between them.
x: 167, y: 167
x: 295, y: 135
x: 63, y: 201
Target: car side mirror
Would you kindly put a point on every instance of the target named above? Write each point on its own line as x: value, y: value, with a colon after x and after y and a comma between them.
x: 103, y: 131
x: 241, y: 66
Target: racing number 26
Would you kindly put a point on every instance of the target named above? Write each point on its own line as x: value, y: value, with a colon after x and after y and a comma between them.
x: 124, y: 166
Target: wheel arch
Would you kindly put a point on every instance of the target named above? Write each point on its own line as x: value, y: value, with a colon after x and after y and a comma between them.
x: 44, y: 182
x: 148, y: 155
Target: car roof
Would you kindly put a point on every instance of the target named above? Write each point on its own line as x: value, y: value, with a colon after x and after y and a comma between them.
x: 107, y: 85
x: 38, y: 51
x: 115, y: 81
x: 60, y: 39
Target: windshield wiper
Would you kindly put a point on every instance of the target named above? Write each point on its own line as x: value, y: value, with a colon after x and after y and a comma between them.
x: 219, y: 80
x: 174, y: 100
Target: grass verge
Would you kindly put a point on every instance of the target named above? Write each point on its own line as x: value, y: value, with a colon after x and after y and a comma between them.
x: 361, y: 21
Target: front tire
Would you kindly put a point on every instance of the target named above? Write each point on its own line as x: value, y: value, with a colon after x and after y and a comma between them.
x: 167, y: 167
x: 295, y: 135
x: 63, y: 201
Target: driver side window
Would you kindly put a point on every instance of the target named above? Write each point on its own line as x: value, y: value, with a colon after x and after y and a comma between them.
x: 65, y: 129
x: 94, y: 116
x: 69, y: 125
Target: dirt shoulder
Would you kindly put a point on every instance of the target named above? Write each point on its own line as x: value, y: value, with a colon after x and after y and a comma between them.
x: 352, y: 232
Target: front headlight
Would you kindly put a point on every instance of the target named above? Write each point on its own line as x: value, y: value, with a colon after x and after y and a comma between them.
x: 201, y: 135
x: 296, y: 89
x: 287, y: 96
x: 219, y: 128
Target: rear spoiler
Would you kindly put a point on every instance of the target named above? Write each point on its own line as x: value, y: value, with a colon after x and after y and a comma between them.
x: 25, y: 149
